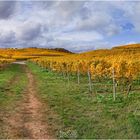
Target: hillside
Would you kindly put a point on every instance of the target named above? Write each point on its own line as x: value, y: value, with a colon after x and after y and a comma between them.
x: 27, y: 53
x: 129, y: 46
x: 123, y: 48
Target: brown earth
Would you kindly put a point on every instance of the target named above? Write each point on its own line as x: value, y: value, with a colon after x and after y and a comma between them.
x: 33, y: 113
x: 27, y: 120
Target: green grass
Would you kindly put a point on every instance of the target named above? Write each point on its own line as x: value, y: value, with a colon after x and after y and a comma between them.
x: 12, y: 84
x: 79, y: 114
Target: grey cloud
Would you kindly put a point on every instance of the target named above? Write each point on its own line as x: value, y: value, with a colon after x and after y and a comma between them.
x: 59, y: 13
x: 7, y: 9
x: 43, y: 4
x: 29, y: 31
x: 66, y: 8
x: 7, y: 37
x: 69, y: 8
x: 96, y: 21
x: 136, y: 19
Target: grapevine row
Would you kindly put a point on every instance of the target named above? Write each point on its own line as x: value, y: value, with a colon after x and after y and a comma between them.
x: 122, y: 69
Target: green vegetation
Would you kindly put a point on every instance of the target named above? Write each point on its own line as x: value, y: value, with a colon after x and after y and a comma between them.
x: 12, y: 84
x: 75, y: 113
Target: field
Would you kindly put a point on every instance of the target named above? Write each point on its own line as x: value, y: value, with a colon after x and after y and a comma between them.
x: 58, y: 94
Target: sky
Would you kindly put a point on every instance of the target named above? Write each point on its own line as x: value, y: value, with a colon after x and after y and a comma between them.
x: 74, y: 25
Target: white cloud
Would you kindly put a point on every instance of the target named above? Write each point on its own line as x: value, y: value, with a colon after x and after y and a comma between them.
x: 68, y: 24
x: 80, y: 36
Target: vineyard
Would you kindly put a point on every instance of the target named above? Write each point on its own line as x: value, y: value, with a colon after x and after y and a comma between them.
x: 12, y: 54
x: 69, y: 69
x: 69, y: 95
x: 118, y: 66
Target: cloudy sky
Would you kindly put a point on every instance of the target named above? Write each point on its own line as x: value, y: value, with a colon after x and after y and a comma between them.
x: 74, y: 25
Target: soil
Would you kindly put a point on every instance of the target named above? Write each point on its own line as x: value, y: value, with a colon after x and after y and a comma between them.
x: 27, y: 120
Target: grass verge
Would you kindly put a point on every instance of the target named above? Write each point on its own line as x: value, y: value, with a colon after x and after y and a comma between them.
x: 12, y: 84
x: 78, y: 114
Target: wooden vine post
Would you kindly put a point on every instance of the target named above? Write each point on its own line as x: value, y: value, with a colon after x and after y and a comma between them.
x: 68, y: 74
x: 78, y: 75
x: 89, y: 79
x: 114, y: 84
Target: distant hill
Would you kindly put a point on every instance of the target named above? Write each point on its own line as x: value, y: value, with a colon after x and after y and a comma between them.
x: 61, y: 50
x: 125, y: 49
x: 129, y: 46
x: 33, y: 52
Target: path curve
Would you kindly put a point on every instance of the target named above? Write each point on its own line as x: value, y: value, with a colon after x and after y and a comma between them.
x: 20, y: 62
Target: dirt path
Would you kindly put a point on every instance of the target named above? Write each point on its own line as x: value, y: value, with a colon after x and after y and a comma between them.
x: 19, y: 62
x: 28, y: 119
x: 32, y: 110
